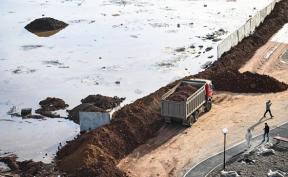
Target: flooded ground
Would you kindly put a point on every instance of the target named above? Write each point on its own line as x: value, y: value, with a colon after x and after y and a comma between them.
x: 114, y: 48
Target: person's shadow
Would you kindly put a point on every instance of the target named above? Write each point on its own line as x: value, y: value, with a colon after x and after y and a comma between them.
x: 263, y: 119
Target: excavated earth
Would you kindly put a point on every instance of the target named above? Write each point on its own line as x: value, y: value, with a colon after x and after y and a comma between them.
x: 98, y: 169
x: 94, y: 103
x: 135, y: 123
x: 182, y: 93
x: 28, y: 168
x: 51, y: 104
x: 46, y: 24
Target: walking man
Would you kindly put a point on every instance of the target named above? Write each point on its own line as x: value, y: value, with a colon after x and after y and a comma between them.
x: 248, y: 138
x: 268, y: 104
x: 266, y: 132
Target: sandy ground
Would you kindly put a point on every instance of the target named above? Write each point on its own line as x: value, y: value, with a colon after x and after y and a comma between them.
x: 175, y: 149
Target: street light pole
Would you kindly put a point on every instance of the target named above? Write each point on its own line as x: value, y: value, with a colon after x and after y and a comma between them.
x: 224, y: 132
x: 224, y: 149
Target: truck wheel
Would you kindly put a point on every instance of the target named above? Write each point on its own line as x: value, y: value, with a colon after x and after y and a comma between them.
x: 168, y: 120
x: 190, y: 120
x: 196, y: 116
x: 208, y: 106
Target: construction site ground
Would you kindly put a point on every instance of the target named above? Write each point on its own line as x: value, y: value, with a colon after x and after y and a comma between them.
x: 175, y: 148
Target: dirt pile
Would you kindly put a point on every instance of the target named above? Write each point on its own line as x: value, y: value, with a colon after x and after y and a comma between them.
x: 28, y: 168
x: 103, y: 102
x: 182, y: 93
x: 46, y: 24
x: 131, y: 126
x: 233, y: 81
x: 51, y: 104
x: 98, y: 169
x: 137, y: 122
x: 94, y: 103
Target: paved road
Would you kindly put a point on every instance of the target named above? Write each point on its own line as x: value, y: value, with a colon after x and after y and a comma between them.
x: 207, y: 165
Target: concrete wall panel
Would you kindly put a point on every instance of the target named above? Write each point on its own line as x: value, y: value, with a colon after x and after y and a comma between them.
x: 241, y: 33
x: 92, y: 120
x: 247, y: 28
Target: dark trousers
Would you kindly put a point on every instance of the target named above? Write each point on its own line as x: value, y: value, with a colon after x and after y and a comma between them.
x: 266, y: 133
x: 266, y: 112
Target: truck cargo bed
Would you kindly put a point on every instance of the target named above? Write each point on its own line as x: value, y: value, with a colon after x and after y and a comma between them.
x: 183, y: 109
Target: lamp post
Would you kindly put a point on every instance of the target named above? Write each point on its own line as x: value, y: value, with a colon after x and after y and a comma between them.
x: 225, y: 130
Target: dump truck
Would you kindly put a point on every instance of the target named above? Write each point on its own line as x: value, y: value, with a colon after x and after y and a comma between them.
x: 188, y: 111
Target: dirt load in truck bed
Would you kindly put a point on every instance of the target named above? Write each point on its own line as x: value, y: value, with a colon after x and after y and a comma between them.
x: 182, y: 93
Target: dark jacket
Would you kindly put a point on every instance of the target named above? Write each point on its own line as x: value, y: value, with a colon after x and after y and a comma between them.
x: 266, y: 129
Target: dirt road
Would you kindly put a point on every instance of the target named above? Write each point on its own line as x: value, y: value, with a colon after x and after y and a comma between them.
x: 236, y: 112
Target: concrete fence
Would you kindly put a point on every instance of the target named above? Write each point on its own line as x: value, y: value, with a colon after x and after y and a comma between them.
x: 248, y: 28
x: 91, y: 120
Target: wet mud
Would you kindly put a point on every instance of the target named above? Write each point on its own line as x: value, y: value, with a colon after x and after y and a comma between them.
x: 28, y: 168
x: 51, y: 104
x: 46, y: 24
x: 135, y: 123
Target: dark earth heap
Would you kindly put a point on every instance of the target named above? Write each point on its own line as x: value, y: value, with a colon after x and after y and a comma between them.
x: 51, y: 104
x: 94, y: 103
x: 46, y: 24
x: 182, y: 93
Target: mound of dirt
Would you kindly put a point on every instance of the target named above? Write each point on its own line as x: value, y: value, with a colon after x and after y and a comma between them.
x: 28, y: 168
x: 103, y: 102
x: 131, y: 126
x: 98, y: 169
x: 137, y: 122
x: 85, y: 107
x: 94, y: 103
x: 182, y: 93
x: 46, y: 24
x: 51, y: 104
x: 233, y: 81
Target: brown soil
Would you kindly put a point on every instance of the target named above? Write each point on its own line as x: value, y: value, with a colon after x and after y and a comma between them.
x: 103, y: 102
x: 94, y: 103
x: 28, y: 168
x: 182, y: 93
x: 35, y: 116
x: 46, y: 24
x: 135, y: 123
x: 98, y: 169
x: 234, y: 81
x: 261, y: 166
x: 51, y: 104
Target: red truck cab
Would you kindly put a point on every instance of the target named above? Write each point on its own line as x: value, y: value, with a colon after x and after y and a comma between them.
x: 209, y: 90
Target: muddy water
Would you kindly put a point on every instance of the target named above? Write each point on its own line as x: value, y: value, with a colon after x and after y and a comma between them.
x: 139, y: 47
x: 40, y: 33
x: 34, y: 139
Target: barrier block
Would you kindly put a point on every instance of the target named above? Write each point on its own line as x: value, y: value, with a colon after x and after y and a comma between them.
x: 241, y: 33
x: 247, y: 28
x: 234, y: 39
